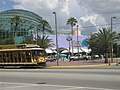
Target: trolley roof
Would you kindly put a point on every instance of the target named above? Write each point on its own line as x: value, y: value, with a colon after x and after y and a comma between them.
x: 26, y: 49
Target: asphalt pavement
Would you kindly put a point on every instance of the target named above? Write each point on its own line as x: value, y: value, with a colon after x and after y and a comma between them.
x: 75, y: 75
x: 60, y: 79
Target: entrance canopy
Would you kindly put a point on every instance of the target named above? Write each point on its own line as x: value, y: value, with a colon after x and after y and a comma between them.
x: 75, y: 50
x: 49, y: 50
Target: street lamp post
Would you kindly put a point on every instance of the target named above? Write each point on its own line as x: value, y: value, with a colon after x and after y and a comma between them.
x: 56, y: 38
x: 112, y: 42
x: 77, y: 41
x: 117, y: 63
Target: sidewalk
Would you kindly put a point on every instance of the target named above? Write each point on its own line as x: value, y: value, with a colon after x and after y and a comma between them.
x: 76, y: 64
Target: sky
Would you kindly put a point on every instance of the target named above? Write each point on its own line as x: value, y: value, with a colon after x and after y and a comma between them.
x: 90, y: 14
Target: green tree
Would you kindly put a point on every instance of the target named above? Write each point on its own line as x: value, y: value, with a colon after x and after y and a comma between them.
x: 15, y: 22
x: 72, y: 22
x: 28, y: 41
x: 103, y: 41
x: 44, y: 23
x: 45, y: 42
x: 6, y: 41
x: 92, y: 44
x: 118, y: 36
x: 116, y: 47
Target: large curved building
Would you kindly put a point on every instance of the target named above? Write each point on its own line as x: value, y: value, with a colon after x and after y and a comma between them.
x: 17, y: 22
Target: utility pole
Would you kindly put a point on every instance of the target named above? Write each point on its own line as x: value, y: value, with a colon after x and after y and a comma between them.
x: 77, y: 41
x: 56, y: 38
x: 112, y: 42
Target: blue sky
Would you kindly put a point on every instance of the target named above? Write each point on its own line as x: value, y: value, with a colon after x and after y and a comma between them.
x: 5, y: 5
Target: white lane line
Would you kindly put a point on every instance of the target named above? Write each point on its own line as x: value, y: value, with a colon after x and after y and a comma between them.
x: 62, y: 86
x: 72, y: 88
x: 21, y: 85
x: 86, y: 88
x: 14, y: 87
x: 76, y: 87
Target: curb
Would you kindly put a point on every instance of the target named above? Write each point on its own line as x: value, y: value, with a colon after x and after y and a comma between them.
x: 75, y: 67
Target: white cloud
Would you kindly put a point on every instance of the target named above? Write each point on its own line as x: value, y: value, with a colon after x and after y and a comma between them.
x: 44, y: 8
x: 88, y: 12
x: 95, y: 19
x: 103, y: 9
x: 101, y: 6
x: 51, y: 4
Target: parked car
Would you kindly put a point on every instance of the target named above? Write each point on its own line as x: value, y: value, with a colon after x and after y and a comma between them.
x: 95, y: 57
x: 51, y: 58
x: 79, y: 57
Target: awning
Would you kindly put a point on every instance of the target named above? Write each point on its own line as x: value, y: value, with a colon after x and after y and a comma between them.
x: 65, y: 51
x: 49, y: 50
x: 75, y: 50
x: 86, y: 50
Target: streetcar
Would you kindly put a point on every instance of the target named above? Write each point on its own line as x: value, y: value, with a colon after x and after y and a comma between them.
x: 21, y: 55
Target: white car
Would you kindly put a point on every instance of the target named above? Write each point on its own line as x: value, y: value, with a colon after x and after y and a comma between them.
x: 51, y: 58
x: 79, y: 57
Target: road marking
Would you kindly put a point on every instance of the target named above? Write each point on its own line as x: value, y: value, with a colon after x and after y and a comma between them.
x: 23, y: 85
x: 72, y: 88
x: 76, y: 87
x: 76, y: 66
x: 14, y: 87
x: 86, y: 88
x: 83, y: 66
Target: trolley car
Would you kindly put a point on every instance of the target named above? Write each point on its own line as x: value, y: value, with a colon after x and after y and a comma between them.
x: 22, y: 57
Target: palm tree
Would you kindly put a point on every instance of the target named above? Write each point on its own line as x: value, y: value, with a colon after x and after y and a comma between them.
x: 118, y: 36
x: 72, y: 22
x: 15, y: 22
x: 28, y: 41
x: 103, y: 41
x: 45, y: 27
x: 92, y: 44
x: 6, y: 41
x: 45, y: 42
x: 44, y: 23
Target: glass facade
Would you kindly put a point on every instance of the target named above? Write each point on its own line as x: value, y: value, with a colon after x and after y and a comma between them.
x: 17, y: 22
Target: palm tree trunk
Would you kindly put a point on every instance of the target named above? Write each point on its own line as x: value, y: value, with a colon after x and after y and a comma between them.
x: 43, y: 30
x: 106, y: 57
x: 72, y: 40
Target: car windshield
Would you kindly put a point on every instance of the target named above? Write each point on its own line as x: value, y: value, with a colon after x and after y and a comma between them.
x: 78, y: 55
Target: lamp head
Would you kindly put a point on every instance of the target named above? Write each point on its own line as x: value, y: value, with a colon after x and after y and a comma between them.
x: 114, y: 17
x: 54, y: 12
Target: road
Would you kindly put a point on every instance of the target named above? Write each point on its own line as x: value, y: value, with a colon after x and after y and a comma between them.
x: 60, y: 79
